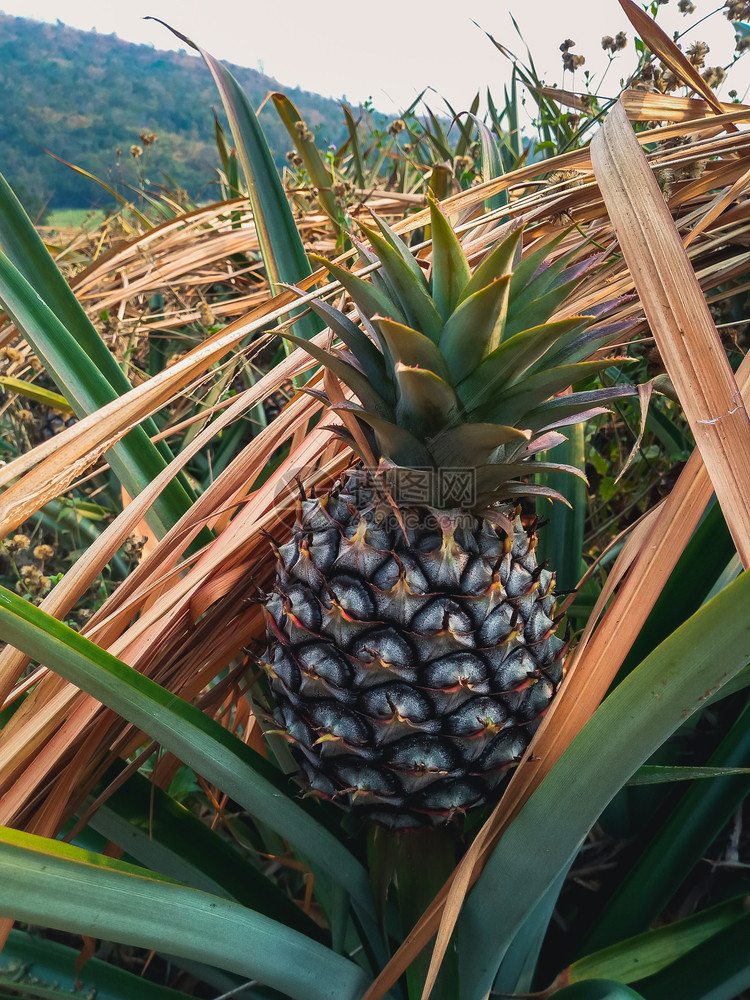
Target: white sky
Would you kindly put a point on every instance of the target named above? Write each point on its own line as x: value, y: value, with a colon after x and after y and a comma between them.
x: 391, y: 49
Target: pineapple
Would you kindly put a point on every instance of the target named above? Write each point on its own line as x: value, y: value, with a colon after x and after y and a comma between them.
x: 412, y: 637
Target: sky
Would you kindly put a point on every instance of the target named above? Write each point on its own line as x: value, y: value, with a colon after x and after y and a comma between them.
x: 390, y: 50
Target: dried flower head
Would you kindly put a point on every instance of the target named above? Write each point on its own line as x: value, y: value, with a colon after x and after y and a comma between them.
x: 697, y: 54
x: 25, y: 416
x: 567, y: 44
x: 571, y: 62
x: 11, y: 354
x: 42, y: 552
x: 686, y: 7
x: 147, y: 138
x: 136, y: 151
x: 303, y: 131
x: 461, y: 164
x: 737, y: 10
x: 133, y: 547
x: 36, y: 364
x: 714, y: 76
x: 616, y: 44
x: 18, y: 543
x: 206, y: 314
x: 397, y: 126
x: 742, y: 44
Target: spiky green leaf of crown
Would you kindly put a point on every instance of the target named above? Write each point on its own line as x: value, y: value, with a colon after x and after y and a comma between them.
x: 462, y: 370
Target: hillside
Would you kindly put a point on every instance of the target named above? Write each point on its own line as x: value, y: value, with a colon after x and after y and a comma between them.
x: 84, y: 96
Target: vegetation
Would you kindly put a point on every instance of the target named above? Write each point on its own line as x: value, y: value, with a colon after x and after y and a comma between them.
x: 176, y: 375
x: 92, y: 98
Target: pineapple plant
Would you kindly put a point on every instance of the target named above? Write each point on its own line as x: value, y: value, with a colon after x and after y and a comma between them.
x: 413, y: 644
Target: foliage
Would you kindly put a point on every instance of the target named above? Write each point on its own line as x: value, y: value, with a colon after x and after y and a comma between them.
x: 135, y: 778
x: 92, y: 97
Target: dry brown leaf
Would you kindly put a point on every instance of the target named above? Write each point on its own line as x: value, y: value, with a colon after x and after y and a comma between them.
x: 679, y: 318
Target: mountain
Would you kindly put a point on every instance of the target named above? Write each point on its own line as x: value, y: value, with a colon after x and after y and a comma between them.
x: 84, y: 96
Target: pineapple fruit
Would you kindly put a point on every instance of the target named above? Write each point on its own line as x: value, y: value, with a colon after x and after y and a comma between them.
x: 412, y: 637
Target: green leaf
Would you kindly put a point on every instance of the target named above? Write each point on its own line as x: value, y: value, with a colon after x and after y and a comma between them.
x: 166, y: 837
x: 357, y: 160
x: 351, y: 376
x: 413, y: 295
x: 134, y: 459
x: 56, y: 885
x: 280, y: 243
x: 450, y: 269
x: 635, y: 719
x: 192, y: 736
x: 363, y: 349
x: 561, y: 408
x: 508, y: 362
x: 561, y: 540
x: 491, y: 163
x: 317, y: 170
x: 426, y: 402
x: 29, y: 390
x: 703, y: 559
x: 470, y: 444
x: 526, y: 396
x: 51, y: 967
x: 369, y: 300
x: 534, y: 270
x: 412, y: 348
x: 499, y: 263
x: 681, y: 841
x: 598, y: 989
x: 717, y: 969
x: 394, y: 442
x: 25, y: 250
x: 538, y: 310
x: 641, y: 956
x: 578, y: 345
x: 659, y: 774
x: 475, y: 329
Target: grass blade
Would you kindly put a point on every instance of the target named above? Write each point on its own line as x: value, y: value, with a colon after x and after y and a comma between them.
x: 701, y: 656
x: 280, y: 243
x: 196, y: 739
x: 99, y: 897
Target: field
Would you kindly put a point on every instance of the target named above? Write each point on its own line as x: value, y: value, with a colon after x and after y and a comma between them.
x: 290, y: 711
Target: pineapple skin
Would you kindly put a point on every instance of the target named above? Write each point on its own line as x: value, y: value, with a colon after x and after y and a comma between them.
x: 409, y: 671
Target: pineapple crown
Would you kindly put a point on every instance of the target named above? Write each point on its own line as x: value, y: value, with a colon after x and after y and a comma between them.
x: 460, y: 371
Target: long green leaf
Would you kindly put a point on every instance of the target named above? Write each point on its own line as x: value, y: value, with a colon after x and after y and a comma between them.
x: 134, y: 459
x: 44, y: 881
x: 681, y: 841
x: 48, y: 968
x: 280, y: 243
x: 25, y: 250
x: 196, y: 739
x: 450, y: 269
x: 631, y: 723
x: 167, y: 838
x: 561, y: 540
x: 718, y: 969
x: 318, y: 172
x: 646, y: 954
